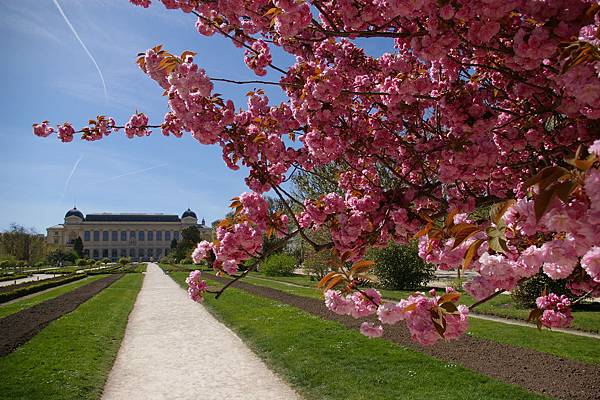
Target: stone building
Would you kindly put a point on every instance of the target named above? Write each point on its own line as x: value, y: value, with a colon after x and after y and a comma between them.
x: 139, y: 236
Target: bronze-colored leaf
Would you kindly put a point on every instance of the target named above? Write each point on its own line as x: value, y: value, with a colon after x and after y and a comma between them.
x: 450, y: 307
x: 424, y: 231
x: 471, y: 252
x: 535, y: 314
x: 542, y: 201
x: 449, y: 297
x: 498, y: 210
x: 362, y: 266
x: 333, y: 282
x: 326, y: 279
x: 462, y: 232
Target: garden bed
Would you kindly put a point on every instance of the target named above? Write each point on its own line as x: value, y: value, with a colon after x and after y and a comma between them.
x: 536, y: 371
x: 18, y: 328
x: 15, y: 291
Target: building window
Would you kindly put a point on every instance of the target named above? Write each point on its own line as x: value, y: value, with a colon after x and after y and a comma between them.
x: 150, y: 252
x: 95, y: 253
x: 105, y: 236
x: 159, y: 235
x: 86, y: 236
x: 158, y: 252
x: 55, y: 240
x: 96, y: 236
x: 104, y: 253
x: 141, y: 253
x: 176, y: 235
x: 86, y: 253
x: 132, y: 234
x: 141, y: 235
x: 168, y: 235
x: 115, y: 236
x: 132, y: 253
x: 150, y: 236
x: 123, y: 236
x: 113, y: 254
x: 123, y: 252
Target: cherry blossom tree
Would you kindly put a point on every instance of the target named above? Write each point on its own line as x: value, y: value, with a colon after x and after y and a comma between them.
x: 477, y: 105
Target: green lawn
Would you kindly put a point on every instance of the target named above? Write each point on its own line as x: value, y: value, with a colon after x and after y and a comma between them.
x: 500, y: 306
x: 560, y: 344
x: 18, y: 305
x: 71, y: 357
x: 323, y: 360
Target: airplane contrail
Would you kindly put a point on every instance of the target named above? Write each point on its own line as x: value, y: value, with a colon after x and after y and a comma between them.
x: 84, y: 47
x: 71, y: 175
x: 139, y: 171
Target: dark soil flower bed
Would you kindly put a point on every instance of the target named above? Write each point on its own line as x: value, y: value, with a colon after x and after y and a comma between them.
x: 538, y: 372
x: 18, y: 328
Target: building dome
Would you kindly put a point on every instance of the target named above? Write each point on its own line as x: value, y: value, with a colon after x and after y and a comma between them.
x: 189, y: 213
x: 74, y: 212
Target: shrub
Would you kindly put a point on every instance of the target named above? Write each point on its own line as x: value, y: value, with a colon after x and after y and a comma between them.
x: 400, y: 267
x: 186, y: 260
x: 39, y: 264
x: 105, y: 260
x: 526, y: 292
x: 82, y: 262
x: 124, y: 261
x: 280, y: 264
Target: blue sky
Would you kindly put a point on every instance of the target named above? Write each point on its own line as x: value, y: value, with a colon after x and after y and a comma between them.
x: 47, y: 75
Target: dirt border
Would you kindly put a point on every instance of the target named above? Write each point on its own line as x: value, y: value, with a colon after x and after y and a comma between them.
x: 539, y: 372
x: 16, y: 329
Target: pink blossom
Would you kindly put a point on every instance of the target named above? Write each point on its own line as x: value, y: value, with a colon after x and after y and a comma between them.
x: 201, y: 251
x: 370, y: 330
x: 42, y: 130
x: 196, y: 286
x: 338, y: 303
x: 591, y: 263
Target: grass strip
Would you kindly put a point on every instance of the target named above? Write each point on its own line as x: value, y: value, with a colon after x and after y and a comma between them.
x: 37, y: 298
x: 34, y: 287
x: 573, y: 347
x: 72, y: 356
x: 337, y: 363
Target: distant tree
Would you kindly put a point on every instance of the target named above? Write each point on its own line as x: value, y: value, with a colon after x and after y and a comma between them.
x: 22, y: 243
x: 58, y: 256
x: 189, y: 238
x: 173, y: 244
x: 78, y: 247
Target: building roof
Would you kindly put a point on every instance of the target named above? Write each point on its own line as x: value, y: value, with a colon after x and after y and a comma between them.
x: 74, y: 211
x: 109, y: 217
x: 189, y: 213
x: 59, y: 226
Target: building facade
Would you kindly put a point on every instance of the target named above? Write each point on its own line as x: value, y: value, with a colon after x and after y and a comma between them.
x: 139, y: 236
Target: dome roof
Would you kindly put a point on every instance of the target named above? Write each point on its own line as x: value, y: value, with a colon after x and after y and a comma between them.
x: 74, y: 212
x: 189, y: 213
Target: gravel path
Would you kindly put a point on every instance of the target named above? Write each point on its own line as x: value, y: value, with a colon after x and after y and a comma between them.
x: 174, y: 349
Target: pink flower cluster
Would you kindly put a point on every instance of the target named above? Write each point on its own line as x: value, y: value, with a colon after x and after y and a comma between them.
x: 42, y: 129
x: 196, y: 286
x: 137, y: 126
x: 358, y: 304
x: 416, y: 310
x: 258, y: 58
x: 556, y: 310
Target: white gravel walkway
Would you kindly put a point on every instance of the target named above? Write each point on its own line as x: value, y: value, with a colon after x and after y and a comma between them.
x: 174, y: 349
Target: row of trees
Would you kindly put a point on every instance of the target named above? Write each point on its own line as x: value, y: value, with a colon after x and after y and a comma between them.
x: 24, y: 244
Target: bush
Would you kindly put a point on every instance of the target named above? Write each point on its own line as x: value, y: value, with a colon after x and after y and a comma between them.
x: 82, y: 262
x: 526, y: 292
x: 39, y: 264
x: 124, y: 261
x: 105, y: 260
x: 280, y: 264
x: 186, y: 260
x: 399, y: 267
